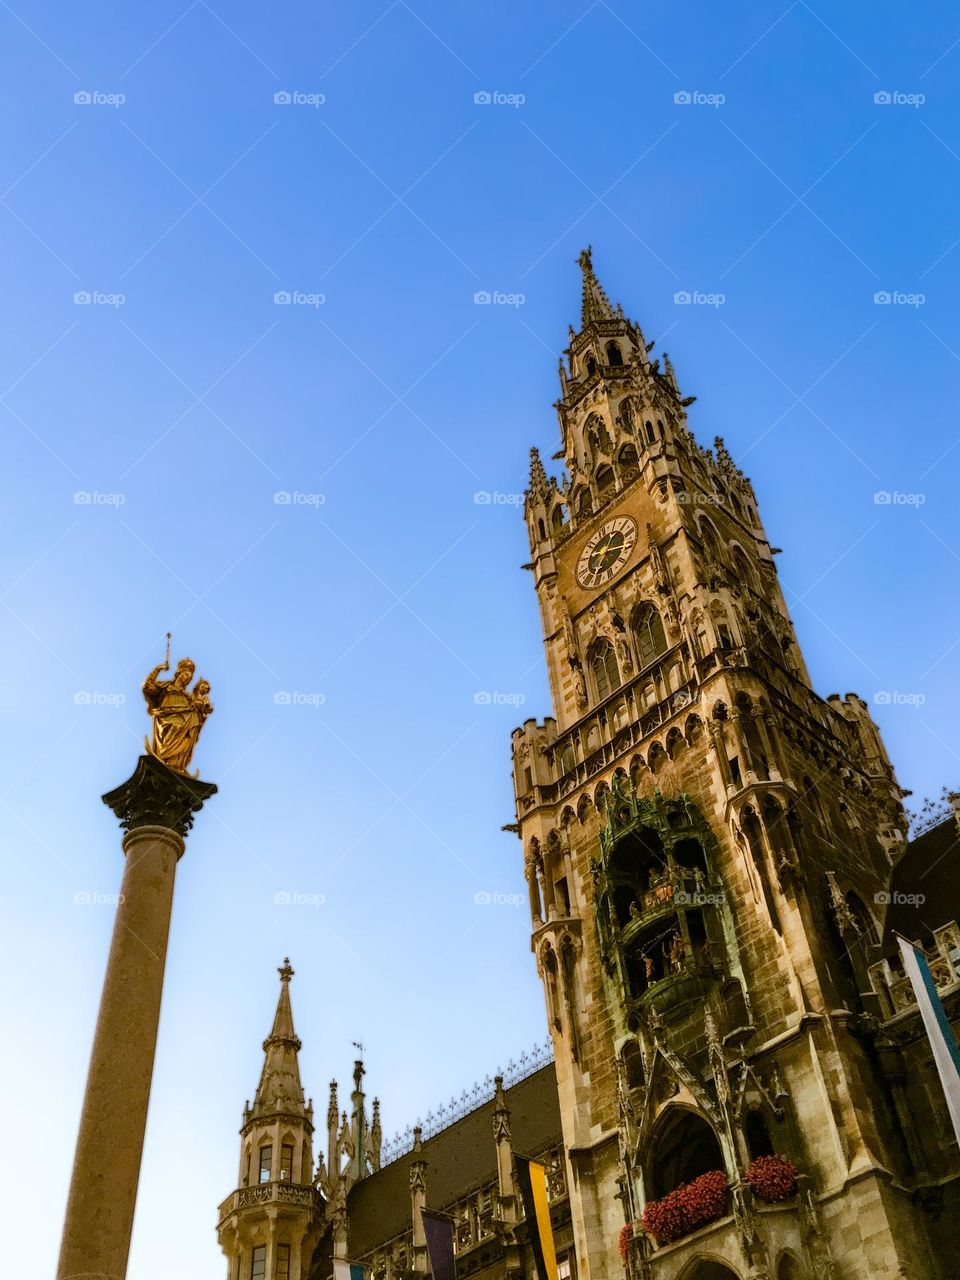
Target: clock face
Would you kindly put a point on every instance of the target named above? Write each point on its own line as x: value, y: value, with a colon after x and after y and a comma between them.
x: 607, y: 552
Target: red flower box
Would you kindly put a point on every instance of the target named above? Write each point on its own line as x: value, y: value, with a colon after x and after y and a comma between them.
x: 688, y: 1207
x: 626, y: 1235
x: 771, y: 1178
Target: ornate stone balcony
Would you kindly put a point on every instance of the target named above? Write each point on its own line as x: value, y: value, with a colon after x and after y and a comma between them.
x: 270, y: 1193
x: 677, y: 890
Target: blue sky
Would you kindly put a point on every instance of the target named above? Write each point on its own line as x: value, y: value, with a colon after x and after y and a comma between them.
x: 182, y: 398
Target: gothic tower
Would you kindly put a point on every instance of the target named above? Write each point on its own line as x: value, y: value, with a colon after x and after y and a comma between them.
x: 705, y: 841
x: 269, y: 1226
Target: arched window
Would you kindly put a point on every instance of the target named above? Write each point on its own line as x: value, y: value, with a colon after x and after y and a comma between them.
x: 736, y: 1015
x: 628, y: 460
x: 584, y: 502
x: 742, y: 570
x: 591, y: 366
x: 605, y: 478
x: 710, y: 543
x: 606, y: 671
x: 651, y: 434
x: 684, y: 1146
x: 614, y: 354
x: 557, y: 518
x: 757, y: 1135
x: 632, y: 1061
x: 649, y: 634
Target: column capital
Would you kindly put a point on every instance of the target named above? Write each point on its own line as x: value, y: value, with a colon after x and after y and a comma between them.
x: 155, y: 796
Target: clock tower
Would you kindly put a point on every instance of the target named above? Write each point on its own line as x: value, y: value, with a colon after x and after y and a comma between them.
x: 705, y: 842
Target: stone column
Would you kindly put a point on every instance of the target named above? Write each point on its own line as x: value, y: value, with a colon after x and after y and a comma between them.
x: 155, y: 808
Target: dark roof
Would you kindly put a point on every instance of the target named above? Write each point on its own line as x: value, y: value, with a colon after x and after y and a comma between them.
x: 929, y: 870
x: 459, y: 1159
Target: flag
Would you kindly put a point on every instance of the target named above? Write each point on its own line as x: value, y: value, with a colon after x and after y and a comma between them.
x: 939, y: 1032
x: 532, y: 1180
x: 438, y: 1230
x: 343, y: 1270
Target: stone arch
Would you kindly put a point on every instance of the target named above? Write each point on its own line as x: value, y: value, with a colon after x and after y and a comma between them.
x: 676, y: 743
x: 584, y: 809
x: 742, y: 568
x: 631, y: 1061
x: 650, y: 639
x: 656, y: 757
x: 567, y: 817
x: 709, y: 1268
x: 709, y: 542
x: 693, y: 730
x: 682, y: 1146
x: 788, y: 1268
x: 735, y: 1014
x: 756, y: 1131
x: 550, y: 973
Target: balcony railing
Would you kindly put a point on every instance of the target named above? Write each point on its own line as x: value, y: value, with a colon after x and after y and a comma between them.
x: 265, y: 1193
x: 679, y: 888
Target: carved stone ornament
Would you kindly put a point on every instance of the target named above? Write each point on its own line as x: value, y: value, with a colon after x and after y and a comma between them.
x: 155, y: 796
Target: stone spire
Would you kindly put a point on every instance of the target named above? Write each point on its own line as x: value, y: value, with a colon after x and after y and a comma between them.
x: 418, y: 1200
x: 538, y: 477
x: 280, y: 1090
x: 596, y: 304
x: 503, y: 1138
x: 285, y: 1216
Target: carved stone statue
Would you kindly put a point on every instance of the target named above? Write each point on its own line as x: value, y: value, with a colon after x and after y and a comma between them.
x: 178, y: 713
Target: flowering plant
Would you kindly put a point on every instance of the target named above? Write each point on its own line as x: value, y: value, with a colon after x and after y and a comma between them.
x: 626, y: 1235
x: 771, y: 1178
x: 688, y: 1207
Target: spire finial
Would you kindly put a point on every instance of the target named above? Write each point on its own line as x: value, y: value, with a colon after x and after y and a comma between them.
x: 596, y: 304
x: 285, y: 971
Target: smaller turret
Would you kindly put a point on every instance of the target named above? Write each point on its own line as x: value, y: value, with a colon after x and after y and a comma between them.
x: 265, y: 1227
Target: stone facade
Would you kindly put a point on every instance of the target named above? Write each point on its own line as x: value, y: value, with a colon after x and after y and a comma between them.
x: 708, y: 844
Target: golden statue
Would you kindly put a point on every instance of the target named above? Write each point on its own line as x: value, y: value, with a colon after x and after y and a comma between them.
x: 178, y: 713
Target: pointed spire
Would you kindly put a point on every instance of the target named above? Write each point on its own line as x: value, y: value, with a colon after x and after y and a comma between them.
x: 280, y: 1089
x: 538, y: 477
x: 596, y: 304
